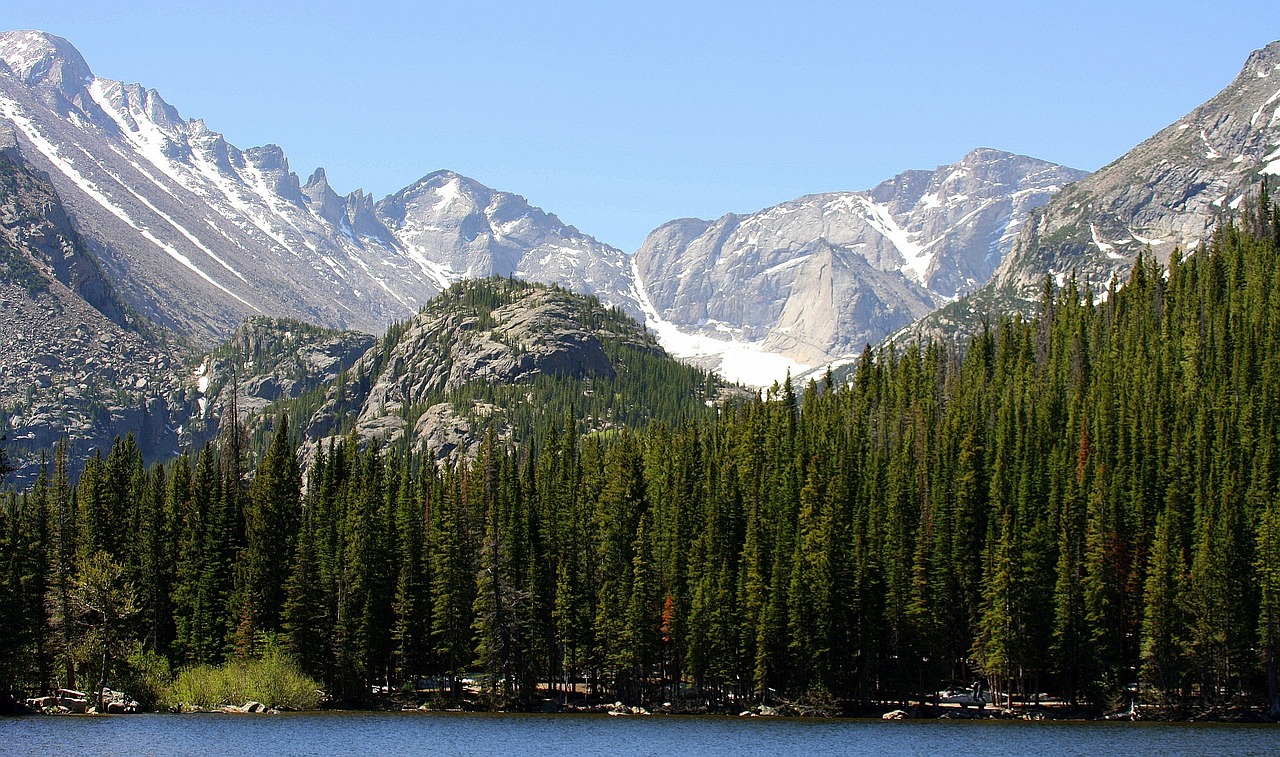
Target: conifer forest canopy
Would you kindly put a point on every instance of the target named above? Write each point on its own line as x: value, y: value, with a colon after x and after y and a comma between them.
x: 1083, y: 504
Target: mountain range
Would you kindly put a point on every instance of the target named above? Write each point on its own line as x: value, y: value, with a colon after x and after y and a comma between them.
x: 198, y: 234
x: 135, y: 241
x: 821, y: 276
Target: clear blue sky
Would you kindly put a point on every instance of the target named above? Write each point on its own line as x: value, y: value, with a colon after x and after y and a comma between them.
x: 619, y: 117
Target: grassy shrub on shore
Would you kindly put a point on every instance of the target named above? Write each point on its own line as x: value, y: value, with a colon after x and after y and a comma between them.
x: 273, y: 680
x: 147, y: 678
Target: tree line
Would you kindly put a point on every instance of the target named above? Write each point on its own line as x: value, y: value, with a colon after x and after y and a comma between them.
x: 1082, y: 504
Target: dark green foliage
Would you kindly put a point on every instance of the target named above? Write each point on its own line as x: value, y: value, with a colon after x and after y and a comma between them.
x: 271, y: 525
x: 16, y: 268
x: 1080, y: 504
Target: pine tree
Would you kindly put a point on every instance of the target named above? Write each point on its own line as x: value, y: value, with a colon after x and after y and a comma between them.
x: 271, y: 525
x: 452, y: 583
x: 61, y: 564
x: 154, y: 546
x: 304, y: 616
x: 412, y: 601
x: 1163, y: 626
x: 1267, y: 565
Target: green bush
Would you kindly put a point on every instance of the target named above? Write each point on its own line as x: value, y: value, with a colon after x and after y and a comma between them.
x: 146, y: 677
x: 274, y: 680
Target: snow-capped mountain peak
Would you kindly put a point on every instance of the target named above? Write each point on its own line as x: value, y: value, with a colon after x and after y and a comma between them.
x: 199, y: 233
x: 459, y: 228
x: 39, y: 59
x: 820, y: 276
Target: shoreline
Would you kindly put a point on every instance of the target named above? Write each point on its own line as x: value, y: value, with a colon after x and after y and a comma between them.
x: 406, y: 704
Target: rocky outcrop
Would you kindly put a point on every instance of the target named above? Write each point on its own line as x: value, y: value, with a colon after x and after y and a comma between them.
x: 269, y: 360
x: 487, y: 333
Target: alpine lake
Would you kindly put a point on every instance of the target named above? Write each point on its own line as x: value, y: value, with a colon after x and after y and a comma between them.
x: 582, y: 735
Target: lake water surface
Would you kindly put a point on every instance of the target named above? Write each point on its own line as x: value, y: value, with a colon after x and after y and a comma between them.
x: 581, y: 735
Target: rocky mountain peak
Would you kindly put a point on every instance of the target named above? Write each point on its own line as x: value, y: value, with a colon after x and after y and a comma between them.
x: 321, y: 198
x: 42, y: 60
x: 1263, y: 62
x: 1164, y: 194
x: 272, y: 167
x: 468, y: 230
x: 816, y: 278
x: 362, y: 217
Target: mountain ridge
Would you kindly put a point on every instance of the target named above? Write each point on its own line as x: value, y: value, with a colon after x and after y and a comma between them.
x: 197, y: 234
x: 1167, y: 192
x: 817, y: 277
x: 200, y: 234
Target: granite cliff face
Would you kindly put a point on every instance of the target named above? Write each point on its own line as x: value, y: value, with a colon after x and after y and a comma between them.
x: 821, y: 276
x: 268, y: 360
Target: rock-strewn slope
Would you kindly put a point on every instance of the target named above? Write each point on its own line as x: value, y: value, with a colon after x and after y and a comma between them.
x: 75, y: 361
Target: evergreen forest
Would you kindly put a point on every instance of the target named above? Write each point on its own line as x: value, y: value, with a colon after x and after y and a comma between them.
x: 1083, y: 505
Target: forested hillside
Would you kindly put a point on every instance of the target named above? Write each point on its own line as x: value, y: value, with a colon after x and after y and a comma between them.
x: 1078, y: 504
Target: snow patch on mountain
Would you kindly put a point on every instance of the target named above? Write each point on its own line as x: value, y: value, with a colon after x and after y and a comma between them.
x: 1272, y: 163
x: 446, y: 195
x: 915, y: 259
x: 744, y: 362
